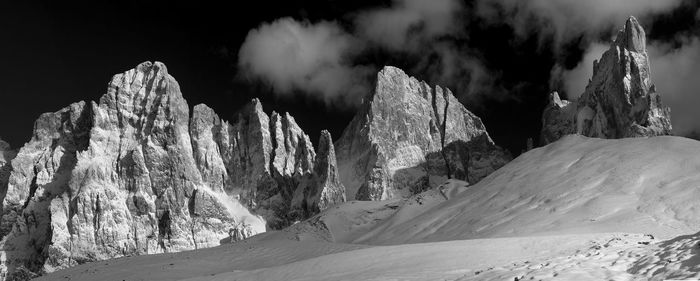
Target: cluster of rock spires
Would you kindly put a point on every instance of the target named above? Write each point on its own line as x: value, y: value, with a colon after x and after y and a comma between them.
x: 409, y: 137
x: 134, y: 174
x: 620, y: 100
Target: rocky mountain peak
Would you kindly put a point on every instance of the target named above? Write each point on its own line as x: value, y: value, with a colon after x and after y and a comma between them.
x: 632, y: 37
x: 410, y: 136
x: 619, y: 101
x: 135, y: 174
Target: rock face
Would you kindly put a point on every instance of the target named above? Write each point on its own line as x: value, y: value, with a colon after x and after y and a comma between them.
x: 409, y: 137
x: 557, y: 119
x: 323, y: 188
x: 620, y: 100
x: 263, y: 161
x: 6, y: 156
x: 133, y: 174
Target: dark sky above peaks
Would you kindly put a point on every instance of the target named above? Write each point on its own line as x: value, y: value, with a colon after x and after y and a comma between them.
x: 317, y: 59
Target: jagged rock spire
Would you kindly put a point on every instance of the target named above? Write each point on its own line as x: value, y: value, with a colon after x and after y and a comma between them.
x: 323, y: 188
x: 632, y: 37
x: 620, y: 100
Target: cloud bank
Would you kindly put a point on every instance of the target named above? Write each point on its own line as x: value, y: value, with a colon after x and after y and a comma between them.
x: 407, y: 24
x: 574, y: 81
x: 675, y: 73
x: 567, y: 19
x: 296, y: 56
x: 321, y: 59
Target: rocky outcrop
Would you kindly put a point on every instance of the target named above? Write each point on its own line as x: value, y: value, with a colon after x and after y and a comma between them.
x: 323, y: 187
x: 620, y: 100
x: 133, y: 174
x: 261, y: 160
x: 39, y: 180
x: 6, y: 156
x: 408, y: 137
x: 557, y: 119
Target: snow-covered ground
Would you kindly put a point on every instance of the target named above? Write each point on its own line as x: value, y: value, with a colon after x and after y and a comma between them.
x: 578, y: 209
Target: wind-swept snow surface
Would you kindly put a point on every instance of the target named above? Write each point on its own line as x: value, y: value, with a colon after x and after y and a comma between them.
x: 577, y: 209
x: 576, y: 185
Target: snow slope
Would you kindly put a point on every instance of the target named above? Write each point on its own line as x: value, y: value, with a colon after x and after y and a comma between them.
x: 601, y: 256
x: 576, y: 185
x: 577, y: 209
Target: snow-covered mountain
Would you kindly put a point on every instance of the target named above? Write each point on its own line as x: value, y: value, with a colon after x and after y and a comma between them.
x: 438, y: 205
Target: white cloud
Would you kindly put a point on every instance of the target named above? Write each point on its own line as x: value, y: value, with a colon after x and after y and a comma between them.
x: 314, y: 59
x: 568, y: 19
x: 575, y: 80
x: 675, y: 73
x: 408, y: 23
x: 317, y: 58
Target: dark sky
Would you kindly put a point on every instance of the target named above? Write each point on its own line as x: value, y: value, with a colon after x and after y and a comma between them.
x: 52, y: 54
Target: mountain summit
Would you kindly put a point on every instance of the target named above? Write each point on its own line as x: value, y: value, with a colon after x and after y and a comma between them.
x: 620, y: 100
x: 409, y: 137
x: 133, y: 174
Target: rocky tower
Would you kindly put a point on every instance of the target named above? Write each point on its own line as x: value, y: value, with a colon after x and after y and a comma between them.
x: 409, y: 137
x: 323, y: 188
x: 133, y: 174
x: 620, y: 100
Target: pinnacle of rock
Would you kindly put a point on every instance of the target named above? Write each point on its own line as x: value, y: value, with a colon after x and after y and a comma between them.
x: 632, y: 37
x: 620, y: 100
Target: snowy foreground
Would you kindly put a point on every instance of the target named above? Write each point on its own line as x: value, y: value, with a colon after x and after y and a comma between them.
x: 578, y: 209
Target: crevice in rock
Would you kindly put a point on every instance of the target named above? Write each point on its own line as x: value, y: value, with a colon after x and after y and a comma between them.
x: 164, y: 230
x: 191, y: 203
x: 97, y: 218
x: 32, y: 188
x: 442, y: 134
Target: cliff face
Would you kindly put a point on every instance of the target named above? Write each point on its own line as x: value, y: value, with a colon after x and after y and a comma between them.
x: 323, y: 187
x: 409, y: 137
x: 620, y: 101
x: 6, y: 156
x: 259, y: 159
x: 134, y: 174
